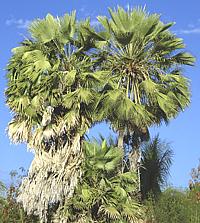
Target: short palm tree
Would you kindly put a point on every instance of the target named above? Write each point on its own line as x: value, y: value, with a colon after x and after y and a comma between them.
x: 52, y: 89
x: 104, y: 194
x: 155, y: 164
x: 145, y: 62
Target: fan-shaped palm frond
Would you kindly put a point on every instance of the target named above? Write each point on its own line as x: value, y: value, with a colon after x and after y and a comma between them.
x: 104, y: 194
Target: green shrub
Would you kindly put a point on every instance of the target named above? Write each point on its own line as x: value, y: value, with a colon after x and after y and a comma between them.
x: 10, y: 210
x: 173, y: 206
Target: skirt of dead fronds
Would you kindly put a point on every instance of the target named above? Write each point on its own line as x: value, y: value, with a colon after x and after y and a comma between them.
x: 52, y: 178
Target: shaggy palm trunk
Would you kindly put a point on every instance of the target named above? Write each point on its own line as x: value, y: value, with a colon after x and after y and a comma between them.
x: 52, y: 178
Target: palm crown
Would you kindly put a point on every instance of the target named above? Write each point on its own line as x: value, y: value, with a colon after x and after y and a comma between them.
x: 52, y: 82
x: 145, y: 60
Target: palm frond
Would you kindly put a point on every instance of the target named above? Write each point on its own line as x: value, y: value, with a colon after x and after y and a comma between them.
x: 156, y: 162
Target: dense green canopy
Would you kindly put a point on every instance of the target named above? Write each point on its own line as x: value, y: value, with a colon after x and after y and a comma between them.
x: 145, y: 60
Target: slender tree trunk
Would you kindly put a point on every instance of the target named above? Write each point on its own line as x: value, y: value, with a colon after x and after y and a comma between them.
x: 134, y: 162
x: 120, y: 143
x: 134, y: 156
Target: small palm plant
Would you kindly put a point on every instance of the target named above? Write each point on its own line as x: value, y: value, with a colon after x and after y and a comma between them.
x: 156, y: 162
x: 104, y: 194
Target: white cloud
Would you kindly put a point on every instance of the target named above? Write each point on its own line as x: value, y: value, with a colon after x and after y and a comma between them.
x: 195, y: 30
x: 192, y: 28
x: 19, y: 23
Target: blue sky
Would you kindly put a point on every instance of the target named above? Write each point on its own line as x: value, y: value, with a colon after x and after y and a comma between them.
x: 183, y: 132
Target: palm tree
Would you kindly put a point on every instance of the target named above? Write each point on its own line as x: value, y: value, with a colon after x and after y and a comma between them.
x: 104, y: 194
x: 156, y: 161
x: 144, y: 59
x: 52, y: 89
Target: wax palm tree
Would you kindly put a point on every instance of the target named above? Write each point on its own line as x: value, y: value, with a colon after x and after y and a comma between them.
x: 145, y: 61
x: 156, y: 161
x: 52, y: 88
x: 104, y: 194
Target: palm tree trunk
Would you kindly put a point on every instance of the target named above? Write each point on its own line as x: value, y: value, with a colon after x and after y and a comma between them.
x: 133, y: 159
x: 135, y: 155
x: 120, y: 143
x: 134, y: 164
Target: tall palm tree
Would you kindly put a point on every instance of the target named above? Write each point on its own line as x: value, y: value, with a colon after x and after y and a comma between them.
x: 145, y: 61
x: 155, y: 164
x: 52, y: 89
